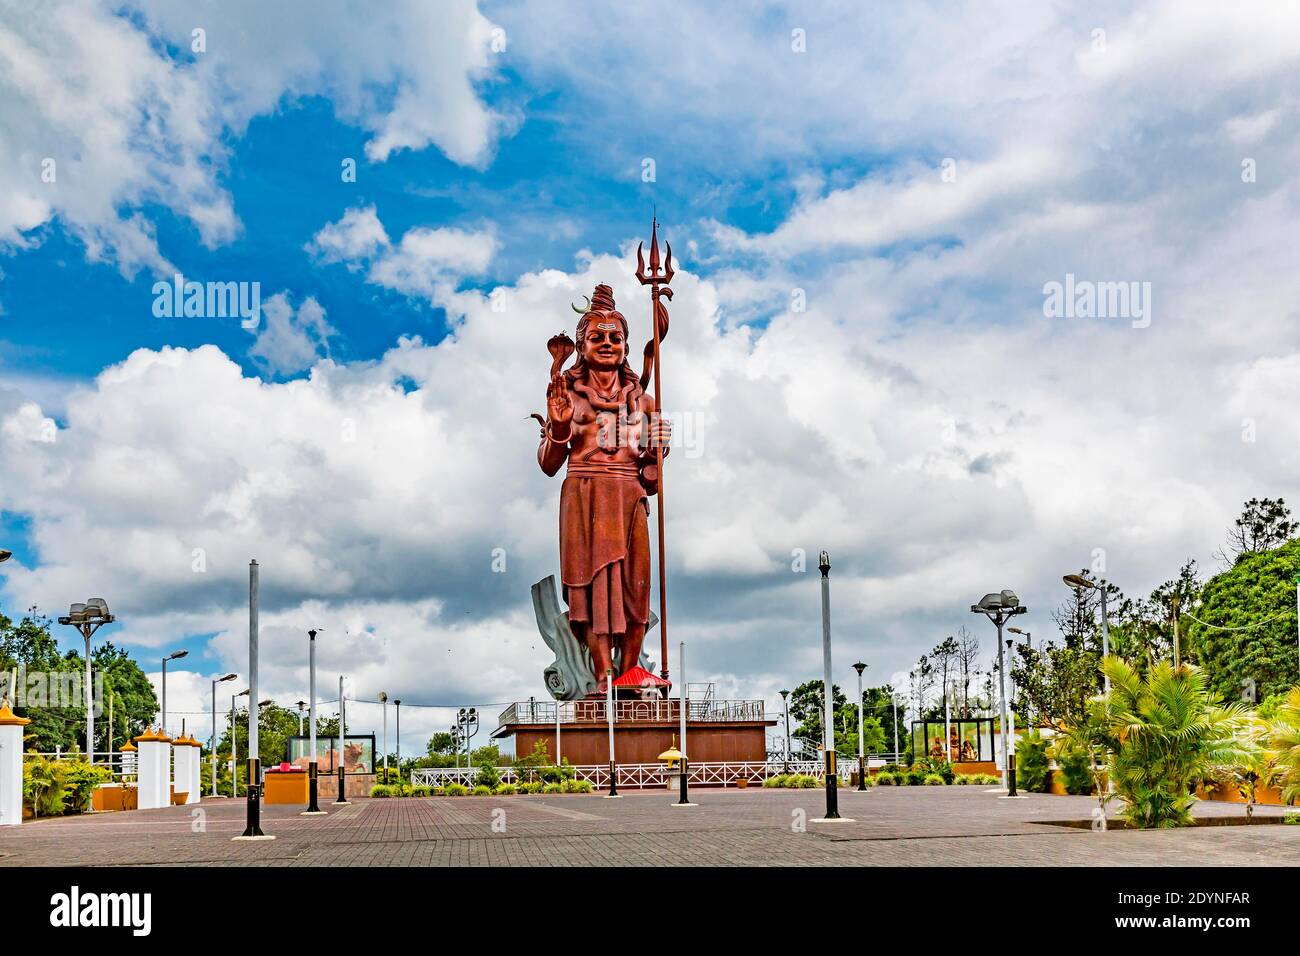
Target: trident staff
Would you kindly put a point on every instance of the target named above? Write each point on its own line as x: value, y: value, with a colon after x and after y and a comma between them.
x: 658, y: 280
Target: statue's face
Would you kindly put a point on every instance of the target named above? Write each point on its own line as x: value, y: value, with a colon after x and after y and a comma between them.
x: 603, y: 345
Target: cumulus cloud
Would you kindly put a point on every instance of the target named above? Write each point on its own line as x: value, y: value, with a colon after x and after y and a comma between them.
x: 108, y: 112
x: 290, y: 340
x: 426, y: 263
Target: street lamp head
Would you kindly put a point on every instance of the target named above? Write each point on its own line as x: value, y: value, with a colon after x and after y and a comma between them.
x: 5, y: 555
x: 1009, y: 599
x: 177, y: 655
x: 383, y: 698
x: 243, y: 693
x: 302, y: 704
x: 824, y: 563
x: 398, y: 703
x: 785, y: 694
x: 1078, y: 581
x: 227, y: 677
x: 859, y: 667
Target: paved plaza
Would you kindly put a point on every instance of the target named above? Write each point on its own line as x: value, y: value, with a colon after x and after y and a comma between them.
x: 962, y: 826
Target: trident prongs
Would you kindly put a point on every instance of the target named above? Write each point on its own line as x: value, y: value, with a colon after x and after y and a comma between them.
x: 656, y: 276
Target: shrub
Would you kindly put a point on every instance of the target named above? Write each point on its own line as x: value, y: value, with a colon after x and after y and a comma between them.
x: 1283, y: 746
x: 803, y: 781
x: 44, y: 783
x: 962, y: 780
x: 487, y: 776
x: 383, y: 790
x: 482, y: 790
x: 885, y: 778
x: 578, y: 786
x: 532, y: 786
x: 890, y: 768
x: 1076, y: 775
x: 1165, y: 730
x: 506, y: 790
x: 421, y: 790
x: 1032, y: 773
x: 455, y: 790
x: 552, y: 787
x: 915, y: 775
x: 81, y: 778
x: 777, y: 781
x: 933, y: 780
x: 870, y: 781
x: 391, y: 775
x: 439, y: 791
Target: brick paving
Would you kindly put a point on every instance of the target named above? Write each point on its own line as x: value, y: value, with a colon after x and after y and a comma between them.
x: 958, y: 826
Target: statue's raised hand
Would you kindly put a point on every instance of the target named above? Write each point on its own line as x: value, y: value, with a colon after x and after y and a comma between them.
x: 559, y: 406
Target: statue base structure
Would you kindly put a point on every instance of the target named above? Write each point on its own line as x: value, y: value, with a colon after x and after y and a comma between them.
x: 725, y: 733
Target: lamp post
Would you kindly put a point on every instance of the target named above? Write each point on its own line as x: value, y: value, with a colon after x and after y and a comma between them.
x: 253, y: 791
x: 234, y: 748
x: 343, y: 736
x: 684, y: 799
x: 87, y: 619
x: 313, y: 783
x: 212, y: 744
x: 174, y: 656
x: 785, y: 706
x: 609, y: 719
x: 862, y: 753
x: 466, y: 727
x: 999, y: 608
x: 828, y: 692
x: 1079, y: 582
x: 893, y: 699
x: 398, y: 704
x: 301, y: 705
x: 383, y: 700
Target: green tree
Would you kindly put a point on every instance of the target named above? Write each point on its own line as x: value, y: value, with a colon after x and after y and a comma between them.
x: 808, y: 703
x: 1263, y: 525
x: 275, y: 725
x: 1245, y: 624
x: 29, y: 644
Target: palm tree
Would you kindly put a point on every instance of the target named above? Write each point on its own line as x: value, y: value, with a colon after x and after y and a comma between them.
x: 1164, y: 732
x: 1283, y: 747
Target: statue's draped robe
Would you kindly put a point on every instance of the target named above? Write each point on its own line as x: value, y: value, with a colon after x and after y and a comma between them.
x: 604, y: 538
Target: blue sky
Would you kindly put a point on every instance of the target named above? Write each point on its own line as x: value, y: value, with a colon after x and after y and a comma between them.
x: 916, y: 411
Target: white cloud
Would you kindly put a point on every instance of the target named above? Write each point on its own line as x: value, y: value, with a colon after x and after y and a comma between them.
x: 127, y: 124
x: 426, y: 263
x: 290, y: 340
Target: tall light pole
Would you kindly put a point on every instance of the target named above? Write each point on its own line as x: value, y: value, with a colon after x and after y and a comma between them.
x: 1000, y: 608
x: 383, y: 700
x: 343, y: 736
x: 398, y: 704
x: 87, y: 619
x: 828, y: 692
x: 893, y: 699
x: 785, y: 706
x: 253, y: 791
x: 313, y: 782
x: 212, y: 744
x: 684, y: 799
x: 234, y: 747
x: 1079, y: 583
x: 862, y: 753
x: 174, y: 656
x: 609, y: 718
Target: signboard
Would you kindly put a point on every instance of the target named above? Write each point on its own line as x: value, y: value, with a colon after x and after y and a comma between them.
x: 358, y: 753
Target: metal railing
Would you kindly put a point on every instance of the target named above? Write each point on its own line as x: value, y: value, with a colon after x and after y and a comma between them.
x: 646, y: 775
x: 593, y: 711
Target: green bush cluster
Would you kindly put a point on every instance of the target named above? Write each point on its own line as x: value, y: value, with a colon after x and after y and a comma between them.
x: 56, y: 787
x: 1033, y: 772
x: 792, y: 781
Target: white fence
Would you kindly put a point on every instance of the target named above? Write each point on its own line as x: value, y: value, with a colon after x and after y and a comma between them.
x: 648, y: 775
